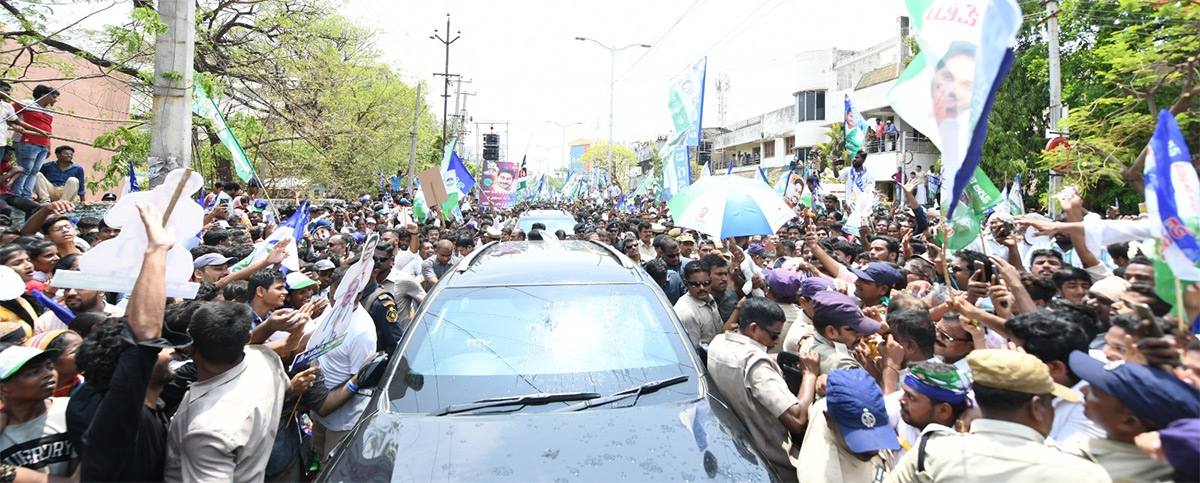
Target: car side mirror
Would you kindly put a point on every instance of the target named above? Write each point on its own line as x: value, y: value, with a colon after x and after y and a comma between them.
x: 371, y: 372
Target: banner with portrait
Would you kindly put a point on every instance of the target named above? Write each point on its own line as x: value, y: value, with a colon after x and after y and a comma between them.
x: 499, y: 185
x: 332, y: 327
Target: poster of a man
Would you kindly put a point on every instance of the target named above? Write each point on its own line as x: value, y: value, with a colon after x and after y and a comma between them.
x: 504, y: 179
x: 953, y: 82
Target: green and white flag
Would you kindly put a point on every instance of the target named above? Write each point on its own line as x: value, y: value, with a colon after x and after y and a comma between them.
x: 420, y: 208
x: 947, y: 90
x: 967, y: 218
x: 685, y: 100
x: 204, y: 107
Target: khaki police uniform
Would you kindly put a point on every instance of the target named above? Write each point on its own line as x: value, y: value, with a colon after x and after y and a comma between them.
x: 824, y: 457
x: 753, y: 385
x: 1124, y: 462
x: 994, y: 450
x: 834, y: 355
x: 699, y: 318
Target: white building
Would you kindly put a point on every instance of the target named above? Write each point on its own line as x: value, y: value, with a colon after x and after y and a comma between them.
x: 823, y: 79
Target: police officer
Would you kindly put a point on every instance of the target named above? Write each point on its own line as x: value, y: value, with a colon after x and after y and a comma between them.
x: 1128, y: 399
x: 380, y: 303
x: 1014, y: 392
x: 753, y: 382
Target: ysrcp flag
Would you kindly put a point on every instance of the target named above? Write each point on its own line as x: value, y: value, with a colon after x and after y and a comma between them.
x: 686, y: 101
x: 677, y: 169
x: 947, y: 90
x: 1173, y: 202
x: 203, y: 106
x: 856, y: 130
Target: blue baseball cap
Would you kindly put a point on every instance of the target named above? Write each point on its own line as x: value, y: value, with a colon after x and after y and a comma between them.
x: 318, y: 224
x: 854, y: 400
x: 839, y: 309
x: 259, y: 206
x: 811, y: 285
x: 880, y: 273
x: 1151, y: 394
x: 784, y: 283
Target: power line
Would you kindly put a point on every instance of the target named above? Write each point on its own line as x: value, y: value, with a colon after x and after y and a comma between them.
x: 656, y: 43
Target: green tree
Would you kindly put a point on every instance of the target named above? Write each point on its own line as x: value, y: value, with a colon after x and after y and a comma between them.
x: 623, y: 160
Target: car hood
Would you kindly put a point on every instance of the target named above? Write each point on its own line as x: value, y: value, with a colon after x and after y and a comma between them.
x: 681, y: 441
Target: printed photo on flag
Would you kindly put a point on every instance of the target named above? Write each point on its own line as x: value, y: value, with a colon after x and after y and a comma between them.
x: 947, y: 89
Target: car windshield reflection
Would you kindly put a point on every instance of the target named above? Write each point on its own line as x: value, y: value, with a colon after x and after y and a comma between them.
x: 480, y: 343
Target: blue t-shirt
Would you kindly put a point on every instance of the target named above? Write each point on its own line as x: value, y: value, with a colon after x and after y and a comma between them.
x: 58, y: 177
x: 396, y: 185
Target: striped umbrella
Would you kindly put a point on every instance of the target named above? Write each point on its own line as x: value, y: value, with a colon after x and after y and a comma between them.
x: 729, y: 206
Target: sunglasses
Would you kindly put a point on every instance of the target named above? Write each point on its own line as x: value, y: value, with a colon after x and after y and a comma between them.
x: 946, y: 335
x: 774, y: 335
x: 700, y: 284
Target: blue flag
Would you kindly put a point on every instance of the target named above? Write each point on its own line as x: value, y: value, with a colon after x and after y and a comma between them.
x: 64, y: 314
x: 1172, y: 189
x: 298, y: 220
x: 459, y: 172
x: 201, y: 199
x: 729, y: 170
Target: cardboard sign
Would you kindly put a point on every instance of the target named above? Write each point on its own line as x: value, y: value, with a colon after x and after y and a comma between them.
x: 433, y: 186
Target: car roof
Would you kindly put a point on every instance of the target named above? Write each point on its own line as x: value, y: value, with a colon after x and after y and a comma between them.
x: 544, y: 263
x: 546, y: 214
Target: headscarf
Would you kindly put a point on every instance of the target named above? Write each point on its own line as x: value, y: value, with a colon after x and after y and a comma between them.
x: 946, y: 387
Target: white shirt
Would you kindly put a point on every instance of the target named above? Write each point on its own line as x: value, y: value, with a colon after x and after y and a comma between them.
x: 7, y: 113
x: 1071, y: 427
x: 225, y: 427
x: 852, y: 180
x: 48, y: 321
x: 339, y: 364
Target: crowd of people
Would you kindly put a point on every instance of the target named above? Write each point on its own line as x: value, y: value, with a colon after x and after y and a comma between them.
x: 1041, y: 349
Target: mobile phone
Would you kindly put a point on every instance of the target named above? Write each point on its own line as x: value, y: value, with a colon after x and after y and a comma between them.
x: 981, y: 268
x: 1144, y: 313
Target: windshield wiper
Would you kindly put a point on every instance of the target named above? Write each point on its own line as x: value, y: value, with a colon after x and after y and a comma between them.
x: 635, y: 392
x: 518, y: 401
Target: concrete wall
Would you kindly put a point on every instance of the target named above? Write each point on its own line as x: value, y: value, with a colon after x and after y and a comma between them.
x: 104, y: 98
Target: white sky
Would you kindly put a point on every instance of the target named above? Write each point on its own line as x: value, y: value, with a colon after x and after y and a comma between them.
x: 527, y: 69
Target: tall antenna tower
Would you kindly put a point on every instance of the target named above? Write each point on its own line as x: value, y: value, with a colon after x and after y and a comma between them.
x: 722, y: 94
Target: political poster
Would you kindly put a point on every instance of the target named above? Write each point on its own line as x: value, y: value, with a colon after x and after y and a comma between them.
x: 331, y: 328
x: 499, y: 184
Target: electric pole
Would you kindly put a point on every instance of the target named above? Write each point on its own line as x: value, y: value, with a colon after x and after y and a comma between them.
x: 412, y: 151
x: 171, y: 121
x: 446, y: 73
x: 1055, y: 94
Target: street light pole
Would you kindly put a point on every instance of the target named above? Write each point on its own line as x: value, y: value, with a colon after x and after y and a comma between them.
x: 563, y: 145
x: 612, y: 79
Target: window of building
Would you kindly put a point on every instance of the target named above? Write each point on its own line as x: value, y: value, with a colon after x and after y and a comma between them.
x: 789, y: 145
x: 810, y: 106
x: 806, y: 154
x: 769, y: 149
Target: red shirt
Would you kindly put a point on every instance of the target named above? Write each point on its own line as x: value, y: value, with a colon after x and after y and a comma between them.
x: 35, y: 116
x: 4, y: 187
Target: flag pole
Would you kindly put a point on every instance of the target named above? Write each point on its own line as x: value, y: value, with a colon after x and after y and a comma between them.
x: 1183, y: 320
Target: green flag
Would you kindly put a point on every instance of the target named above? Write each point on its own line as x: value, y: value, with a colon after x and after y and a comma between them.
x: 980, y: 195
x: 204, y: 107
x: 420, y: 208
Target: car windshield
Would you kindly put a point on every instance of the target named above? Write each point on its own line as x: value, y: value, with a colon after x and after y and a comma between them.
x: 480, y: 343
x: 553, y: 222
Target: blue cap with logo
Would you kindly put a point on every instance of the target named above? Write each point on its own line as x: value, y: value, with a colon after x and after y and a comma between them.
x: 839, y: 309
x: 856, y: 404
x: 880, y: 273
x: 1149, y: 393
